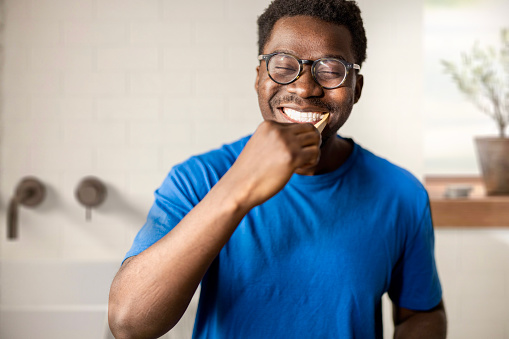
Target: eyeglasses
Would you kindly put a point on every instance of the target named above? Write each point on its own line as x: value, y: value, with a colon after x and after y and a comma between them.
x: 329, y: 73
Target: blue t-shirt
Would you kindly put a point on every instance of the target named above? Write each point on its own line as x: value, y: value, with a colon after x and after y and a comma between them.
x: 314, y: 260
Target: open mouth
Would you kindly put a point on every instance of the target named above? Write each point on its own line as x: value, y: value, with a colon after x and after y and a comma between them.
x: 303, y: 117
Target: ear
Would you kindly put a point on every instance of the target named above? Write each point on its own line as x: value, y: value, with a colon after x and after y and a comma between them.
x: 359, y: 82
x: 257, y: 78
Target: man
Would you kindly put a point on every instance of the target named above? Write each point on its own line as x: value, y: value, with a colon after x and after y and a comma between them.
x: 292, y: 233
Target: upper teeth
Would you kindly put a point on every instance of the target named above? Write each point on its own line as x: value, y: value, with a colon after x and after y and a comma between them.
x: 302, y: 116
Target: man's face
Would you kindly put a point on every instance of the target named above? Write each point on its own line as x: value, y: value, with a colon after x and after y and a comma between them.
x: 308, y: 38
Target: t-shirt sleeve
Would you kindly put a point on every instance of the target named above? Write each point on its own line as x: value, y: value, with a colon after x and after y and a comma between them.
x: 183, y: 188
x: 415, y: 283
x: 173, y: 200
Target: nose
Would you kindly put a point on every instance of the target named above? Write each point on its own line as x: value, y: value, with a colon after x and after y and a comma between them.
x: 305, y: 86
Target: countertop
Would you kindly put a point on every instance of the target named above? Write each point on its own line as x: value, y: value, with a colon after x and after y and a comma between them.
x: 476, y: 210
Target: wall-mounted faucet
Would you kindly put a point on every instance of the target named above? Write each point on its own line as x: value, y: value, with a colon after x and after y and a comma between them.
x: 90, y: 192
x: 30, y: 192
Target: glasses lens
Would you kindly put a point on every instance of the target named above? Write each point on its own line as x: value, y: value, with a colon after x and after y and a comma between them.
x: 330, y: 73
x: 283, y: 68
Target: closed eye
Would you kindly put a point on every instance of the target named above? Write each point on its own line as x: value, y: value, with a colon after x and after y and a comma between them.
x: 285, y: 70
x: 328, y: 75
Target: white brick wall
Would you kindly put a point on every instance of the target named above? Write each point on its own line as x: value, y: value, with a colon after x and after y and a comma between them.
x: 98, y: 87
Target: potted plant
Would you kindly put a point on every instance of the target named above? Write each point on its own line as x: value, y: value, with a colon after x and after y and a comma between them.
x: 483, y: 77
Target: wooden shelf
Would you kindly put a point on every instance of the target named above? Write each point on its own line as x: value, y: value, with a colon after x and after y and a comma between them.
x: 476, y: 210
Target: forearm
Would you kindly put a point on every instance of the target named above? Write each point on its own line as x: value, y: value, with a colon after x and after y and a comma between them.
x: 150, y: 294
x: 425, y: 325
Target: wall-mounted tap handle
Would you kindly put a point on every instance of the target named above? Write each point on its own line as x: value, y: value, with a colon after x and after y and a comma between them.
x: 30, y: 192
x: 90, y: 192
x: 12, y: 219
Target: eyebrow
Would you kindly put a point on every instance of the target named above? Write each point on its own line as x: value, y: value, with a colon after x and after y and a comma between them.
x: 335, y: 56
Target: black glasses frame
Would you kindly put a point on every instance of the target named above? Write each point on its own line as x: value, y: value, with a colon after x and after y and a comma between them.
x: 313, y: 63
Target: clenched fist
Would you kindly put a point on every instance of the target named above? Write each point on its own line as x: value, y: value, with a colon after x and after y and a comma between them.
x: 272, y: 155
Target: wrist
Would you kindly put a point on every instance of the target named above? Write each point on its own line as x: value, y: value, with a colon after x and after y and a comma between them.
x: 233, y: 194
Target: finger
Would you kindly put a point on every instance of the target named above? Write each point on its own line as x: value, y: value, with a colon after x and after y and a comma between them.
x: 308, y: 156
x: 311, y: 138
x: 302, y: 127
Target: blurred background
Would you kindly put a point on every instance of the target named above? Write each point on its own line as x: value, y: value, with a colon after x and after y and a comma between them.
x: 122, y: 90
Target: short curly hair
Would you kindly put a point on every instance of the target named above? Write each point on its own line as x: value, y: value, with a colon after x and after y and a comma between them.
x: 340, y: 12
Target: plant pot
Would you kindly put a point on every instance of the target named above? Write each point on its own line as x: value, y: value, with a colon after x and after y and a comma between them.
x: 493, y: 156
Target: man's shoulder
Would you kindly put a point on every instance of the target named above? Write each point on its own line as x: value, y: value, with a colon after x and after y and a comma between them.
x: 196, y: 175
x: 211, y: 164
x: 392, y: 188
x: 388, y: 174
x: 224, y: 155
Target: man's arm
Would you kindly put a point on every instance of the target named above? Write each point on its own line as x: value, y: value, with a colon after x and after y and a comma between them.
x: 152, y: 290
x: 411, y: 324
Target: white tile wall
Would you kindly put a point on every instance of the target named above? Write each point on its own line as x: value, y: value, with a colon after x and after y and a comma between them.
x: 126, y: 10
x: 97, y: 87
x: 166, y: 33
x: 98, y: 34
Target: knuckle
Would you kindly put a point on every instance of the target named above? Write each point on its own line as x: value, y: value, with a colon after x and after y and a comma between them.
x: 317, y: 136
x: 287, y: 158
x: 315, y: 156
